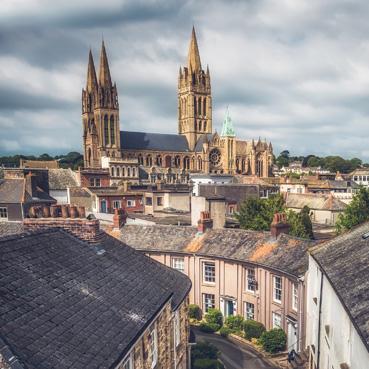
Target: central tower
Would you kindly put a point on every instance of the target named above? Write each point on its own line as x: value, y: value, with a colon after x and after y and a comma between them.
x: 194, y: 97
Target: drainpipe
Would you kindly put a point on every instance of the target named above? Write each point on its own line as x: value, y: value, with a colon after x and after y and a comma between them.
x: 320, y: 317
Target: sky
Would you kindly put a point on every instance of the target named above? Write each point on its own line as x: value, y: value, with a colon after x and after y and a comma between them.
x: 295, y: 72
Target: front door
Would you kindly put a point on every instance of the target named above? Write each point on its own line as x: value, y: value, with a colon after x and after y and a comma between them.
x: 229, y: 308
x: 103, y: 206
x: 291, y: 335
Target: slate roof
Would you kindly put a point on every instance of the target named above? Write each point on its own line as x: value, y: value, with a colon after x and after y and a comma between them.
x: 231, y: 191
x: 9, y: 228
x: 201, y: 140
x: 64, y: 306
x: 61, y: 179
x: 153, y: 141
x: 11, y: 191
x: 345, y: 261
x: 314, y: 202
x: 287, y: 253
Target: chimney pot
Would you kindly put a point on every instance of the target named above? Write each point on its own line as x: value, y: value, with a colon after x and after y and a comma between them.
x: 205, y: 222
x: 73, y: 212
x: 46, y: 212
x: 65, y: 211
x: 279, y: 225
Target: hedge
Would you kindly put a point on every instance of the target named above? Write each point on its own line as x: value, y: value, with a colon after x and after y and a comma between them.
x: 253, y: 329
x: 234, y: 322
x: 274, y: 340
x: 214, y: 316
x: 194, y: 312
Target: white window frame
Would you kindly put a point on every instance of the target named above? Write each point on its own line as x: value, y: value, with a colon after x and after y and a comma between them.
x: 153, y: 346
x: 128, y: 362
x: 178, y: 263
x: 277, y: 288
x: 247, y: 310
x: 161, y: 200
x: 277, y: 320
x: 131, y: 203
x: 206, y: 277
x: 115, y: 202
x: 295, y: 296
x: 177, y: 328
x: 247, y: 279
x: 4, y: 213
x: 206, y: 297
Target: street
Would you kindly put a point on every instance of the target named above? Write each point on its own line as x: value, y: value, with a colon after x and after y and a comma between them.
x: 233, y: 354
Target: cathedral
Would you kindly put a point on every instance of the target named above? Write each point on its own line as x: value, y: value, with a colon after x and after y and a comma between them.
x: 195, y: 149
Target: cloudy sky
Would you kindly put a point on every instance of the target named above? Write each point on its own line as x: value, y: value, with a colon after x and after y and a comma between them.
x: 295, y: 72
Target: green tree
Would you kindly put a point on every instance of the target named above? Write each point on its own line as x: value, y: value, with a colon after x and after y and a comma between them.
x: 257, y: 214
x: 300, y: 223
x: 355, y: 213
x: 283, y: 160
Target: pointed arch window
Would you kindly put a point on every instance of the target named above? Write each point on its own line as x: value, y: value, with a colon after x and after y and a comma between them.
x: 128, y: 172
x: 199, y: 103
x: 118, y: 171
x: 195, y: 105
x: 205, y: 126
x: 204, y: 108
x: 200, y: 126
x: 106, y: 130
x: 199, y: 163
x: 112, y: 130
x: 140, y: 159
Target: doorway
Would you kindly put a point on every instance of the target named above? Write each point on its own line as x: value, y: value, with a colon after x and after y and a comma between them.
x: 291, y: 335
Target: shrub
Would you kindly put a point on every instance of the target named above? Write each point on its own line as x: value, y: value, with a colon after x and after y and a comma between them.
x: 214, y: 316
x: 253, y: 329
x: 204, y: 350
x: 224, y: 332
x: 274, y: 340
x: 207, y: 364
x: 234, y: 322
x: 209, y: 327
x: 194, y: 312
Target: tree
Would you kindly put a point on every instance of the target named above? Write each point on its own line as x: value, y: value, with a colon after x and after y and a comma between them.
x: 300, y: 223
x: 283, y: 159
x: 257, y: 214
x: 355, y: 213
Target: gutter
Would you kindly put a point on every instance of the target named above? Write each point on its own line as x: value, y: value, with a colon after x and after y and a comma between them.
x: 320, y: 317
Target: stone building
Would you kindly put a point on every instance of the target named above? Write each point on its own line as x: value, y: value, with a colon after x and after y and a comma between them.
x: 76, y: 297
x: 169, y: 157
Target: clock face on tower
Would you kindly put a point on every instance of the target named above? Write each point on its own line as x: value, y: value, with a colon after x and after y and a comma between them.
x: 215, y: 157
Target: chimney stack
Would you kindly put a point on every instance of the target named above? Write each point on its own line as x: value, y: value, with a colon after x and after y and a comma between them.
x: 119, y: 218
x: 279, y: 225
x: 205, y: 222
x: 31, y: 183
x: 70, y: 218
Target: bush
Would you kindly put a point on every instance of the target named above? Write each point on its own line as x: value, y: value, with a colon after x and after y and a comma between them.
x: 253, y: 329
x: 274, y: 340
x: 234, y: 322
x: 224, y: 332
x: 207, y: 364
x: 214, y: 316
x: 204, y: 350
x: 194, y: 312
x: 209, y: 327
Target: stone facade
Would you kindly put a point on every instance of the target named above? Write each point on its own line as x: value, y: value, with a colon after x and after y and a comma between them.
x: 170, y: 354
x: 169, y: 157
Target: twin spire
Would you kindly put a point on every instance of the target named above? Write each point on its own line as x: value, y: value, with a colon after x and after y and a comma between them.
x: 104, y: 72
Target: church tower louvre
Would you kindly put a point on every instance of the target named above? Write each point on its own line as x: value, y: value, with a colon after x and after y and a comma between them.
x: 194, y: 97
x: 100, y: 114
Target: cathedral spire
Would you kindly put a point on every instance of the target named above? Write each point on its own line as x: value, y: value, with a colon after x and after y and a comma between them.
x: 91, y: 74
x: 104, y: 73
x: 227, y: 130
x: 194, y: 62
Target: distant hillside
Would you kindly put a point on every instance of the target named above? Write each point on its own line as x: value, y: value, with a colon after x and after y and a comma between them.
x: 71, y: 160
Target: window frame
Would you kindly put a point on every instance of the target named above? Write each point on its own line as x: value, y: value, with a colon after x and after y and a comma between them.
x: 247, y: 280
x: 176, y: 259
x: 205, y: 276
x: 274, y: 316
x: 147, y: 198
x: 246, y: 310
x: 159, y: 201
x: 295, y: 296
x: 205, y: 300
x: 131, y: 203
x: 119, y: 202
x: 275, y: 289
x: 153, y: 353
x: 4, y: 210
x: 128, y: 362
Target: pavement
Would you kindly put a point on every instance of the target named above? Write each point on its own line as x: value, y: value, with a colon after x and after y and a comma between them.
x: 234, y: 355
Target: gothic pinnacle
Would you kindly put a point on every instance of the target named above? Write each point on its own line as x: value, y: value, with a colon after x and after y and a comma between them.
x: 91, y: 74
x: 104, y: 73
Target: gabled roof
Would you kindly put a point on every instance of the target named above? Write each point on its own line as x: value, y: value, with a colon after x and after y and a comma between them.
x: 153, y: 141
x: 345, y: 261
x: 203, y: 138
x: 64, y: 306
x: 11, y: 190
x: 287, y: 254
x: 61, y: 179
x: 314, y: 202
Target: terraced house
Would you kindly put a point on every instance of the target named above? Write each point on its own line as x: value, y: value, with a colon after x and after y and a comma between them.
x: 259, y: 275
x: 74, y: 297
